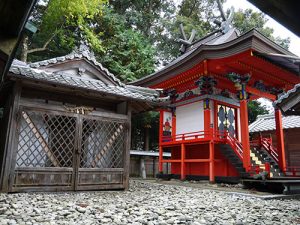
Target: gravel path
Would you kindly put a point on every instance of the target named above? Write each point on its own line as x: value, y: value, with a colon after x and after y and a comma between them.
x: 146, y: 203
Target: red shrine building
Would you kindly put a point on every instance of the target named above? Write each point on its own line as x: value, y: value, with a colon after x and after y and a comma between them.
x: 205, y: 126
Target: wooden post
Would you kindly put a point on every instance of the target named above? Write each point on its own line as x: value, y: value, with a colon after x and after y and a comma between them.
x: 160, y: 159
x: 206, y: 118
x: 245, y: 134
x: 127, y: 152
x: 142, y: 168
x: 211, y: 162
x: 161, y: 121
x: 10, y: 140
x: 182, y: 175
x: 280, y: 140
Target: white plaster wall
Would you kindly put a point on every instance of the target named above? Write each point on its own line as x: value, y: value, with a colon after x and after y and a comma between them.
x: 190, y: 118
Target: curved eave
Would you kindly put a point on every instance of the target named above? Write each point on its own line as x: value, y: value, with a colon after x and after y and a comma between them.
x: 148, y: 103
x: 252, y: 40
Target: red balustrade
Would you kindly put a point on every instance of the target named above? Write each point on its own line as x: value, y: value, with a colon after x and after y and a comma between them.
x: 267, y: 144
x: 208, y: 135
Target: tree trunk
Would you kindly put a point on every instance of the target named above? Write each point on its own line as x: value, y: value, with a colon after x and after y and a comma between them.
x: 24, y: 49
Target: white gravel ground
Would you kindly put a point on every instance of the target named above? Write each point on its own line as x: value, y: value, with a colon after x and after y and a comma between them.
x: 146, y: 203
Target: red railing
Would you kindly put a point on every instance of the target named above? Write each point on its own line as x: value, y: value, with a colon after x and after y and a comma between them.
x: 186, y: 136
x: 219, y: 136
x: 266, y: 143
x: 235, y: 145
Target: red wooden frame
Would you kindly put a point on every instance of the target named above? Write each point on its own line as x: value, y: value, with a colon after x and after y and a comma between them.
x: 216, y: 102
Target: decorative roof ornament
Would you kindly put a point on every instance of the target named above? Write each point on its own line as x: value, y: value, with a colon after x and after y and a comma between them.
x: 226, y: 24
x: 185, y: 43
x: 84, y: 49
x: 218, y: 36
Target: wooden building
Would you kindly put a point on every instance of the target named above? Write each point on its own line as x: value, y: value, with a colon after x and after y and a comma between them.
x: 264, y: 127
x: 66, y: 125
x: 206, y: 125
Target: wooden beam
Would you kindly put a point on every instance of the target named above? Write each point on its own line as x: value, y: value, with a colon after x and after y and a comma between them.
x: 41, y: 139
x: 261, y: 94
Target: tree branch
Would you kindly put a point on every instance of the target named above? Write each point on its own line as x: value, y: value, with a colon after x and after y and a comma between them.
x: 44, y: 46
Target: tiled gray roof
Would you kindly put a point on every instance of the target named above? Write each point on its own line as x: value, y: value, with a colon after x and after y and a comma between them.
x: 295, y: 89
x: 83, y: 52
x: 267, y: 123
x: 64, y: 79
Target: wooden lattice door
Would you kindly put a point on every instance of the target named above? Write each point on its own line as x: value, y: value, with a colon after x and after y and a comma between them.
x: 227, y: 119
x: 68, y: 151
x: 102, y: 150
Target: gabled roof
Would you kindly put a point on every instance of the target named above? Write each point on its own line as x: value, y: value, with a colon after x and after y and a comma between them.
x: 83, y: 52
x: 70, y: 72
x: 251, y: 40
x: 267, y: 123
x: 63, y: 79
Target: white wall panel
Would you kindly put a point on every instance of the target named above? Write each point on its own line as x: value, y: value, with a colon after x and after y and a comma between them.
x: 190, y: 118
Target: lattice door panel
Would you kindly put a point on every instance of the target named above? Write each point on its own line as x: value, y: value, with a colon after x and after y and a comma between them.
x: 103, y: 144
x: 45, y: 140
x: 227, y: 119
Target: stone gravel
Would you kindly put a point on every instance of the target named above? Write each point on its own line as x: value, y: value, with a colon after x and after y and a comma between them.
x: 146, y: 203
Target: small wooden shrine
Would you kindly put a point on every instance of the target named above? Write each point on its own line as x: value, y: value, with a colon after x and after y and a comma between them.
x: 66, y: 125
x: 205, y: 127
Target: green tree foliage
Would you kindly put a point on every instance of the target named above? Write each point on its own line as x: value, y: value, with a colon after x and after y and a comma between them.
x: 128, y: 53
x: 152, y: 18
x: 63, y: 24
x: 247, y: 19
x: 255, y: 108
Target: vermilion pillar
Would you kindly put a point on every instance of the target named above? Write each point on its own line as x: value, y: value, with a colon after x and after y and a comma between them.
x: 245, y: 134
x: 182, y: 176
x: 280, y: 140
x: 211, y: 162
x: 160, y: 157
